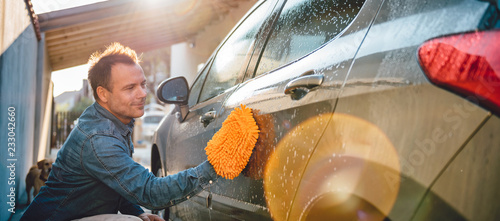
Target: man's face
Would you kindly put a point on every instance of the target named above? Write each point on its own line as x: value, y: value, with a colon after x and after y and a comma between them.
x: 127, y: 95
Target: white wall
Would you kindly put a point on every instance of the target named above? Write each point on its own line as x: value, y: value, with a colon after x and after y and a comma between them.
x: 186, y: 56
x: 184, y: 61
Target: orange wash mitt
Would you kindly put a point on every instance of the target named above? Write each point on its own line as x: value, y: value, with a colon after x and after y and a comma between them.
x: 231, y: 147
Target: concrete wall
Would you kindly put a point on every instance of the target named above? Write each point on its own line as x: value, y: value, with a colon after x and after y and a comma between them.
x: 24, y: 93
x: 188, y: 55
x: 10, y: 28
x: 44, y: 98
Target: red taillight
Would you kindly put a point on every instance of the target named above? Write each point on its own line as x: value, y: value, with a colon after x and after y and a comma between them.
x: 467, y: 64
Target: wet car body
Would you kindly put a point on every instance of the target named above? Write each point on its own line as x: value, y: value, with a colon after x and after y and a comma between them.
x: 351, y: 127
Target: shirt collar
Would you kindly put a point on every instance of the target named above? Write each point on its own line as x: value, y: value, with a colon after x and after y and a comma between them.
x: 124, y: 129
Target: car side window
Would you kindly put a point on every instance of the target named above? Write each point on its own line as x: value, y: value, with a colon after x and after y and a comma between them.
x: 194, y: 93
x: 230, y: 62
x: 304, y: 26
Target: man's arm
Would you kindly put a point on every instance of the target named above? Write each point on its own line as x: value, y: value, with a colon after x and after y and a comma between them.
x: 106, y: 159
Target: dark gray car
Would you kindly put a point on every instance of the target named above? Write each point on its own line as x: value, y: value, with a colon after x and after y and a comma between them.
x: 368, y: 110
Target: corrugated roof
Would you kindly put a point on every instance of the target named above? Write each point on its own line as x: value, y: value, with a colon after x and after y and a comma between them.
x: 73, y: 34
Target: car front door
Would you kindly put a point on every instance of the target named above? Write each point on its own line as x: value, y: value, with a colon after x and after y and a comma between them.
x: 188, y: 137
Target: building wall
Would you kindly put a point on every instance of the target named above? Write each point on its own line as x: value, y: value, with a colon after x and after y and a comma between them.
x: 10, y: 28
x: 187, y: 56
x: 44, y: 98
x: 24, y: 92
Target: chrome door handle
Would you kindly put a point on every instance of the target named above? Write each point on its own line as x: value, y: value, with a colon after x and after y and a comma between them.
x: 303, y: 84
x: 208, y: 117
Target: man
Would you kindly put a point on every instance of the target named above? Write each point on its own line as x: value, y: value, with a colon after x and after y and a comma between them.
x: 94, y: 172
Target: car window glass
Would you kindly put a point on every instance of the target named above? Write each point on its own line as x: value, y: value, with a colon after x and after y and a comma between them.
x: 152, y: 119
x: 196, y: 88
x: 304, y: 26
x: 229, y: 64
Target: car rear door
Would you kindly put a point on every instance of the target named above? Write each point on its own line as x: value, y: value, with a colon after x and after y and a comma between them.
x: 292, y: 91
x: 427, y: 126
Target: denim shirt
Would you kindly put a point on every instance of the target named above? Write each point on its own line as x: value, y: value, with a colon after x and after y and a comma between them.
x: 94, y: 173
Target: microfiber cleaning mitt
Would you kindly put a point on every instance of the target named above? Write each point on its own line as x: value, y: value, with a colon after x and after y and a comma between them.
x: 231, y: 147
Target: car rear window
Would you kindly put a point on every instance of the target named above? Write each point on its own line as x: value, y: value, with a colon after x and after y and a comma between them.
x: 304, y: 26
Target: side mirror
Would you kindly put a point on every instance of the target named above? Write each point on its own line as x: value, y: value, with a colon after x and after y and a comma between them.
x: 175, y: 91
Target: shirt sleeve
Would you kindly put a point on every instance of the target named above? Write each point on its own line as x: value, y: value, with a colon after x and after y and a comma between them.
x: 105, y: 158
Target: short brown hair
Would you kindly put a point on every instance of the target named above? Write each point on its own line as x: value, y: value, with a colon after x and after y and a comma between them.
x: 101, y: 63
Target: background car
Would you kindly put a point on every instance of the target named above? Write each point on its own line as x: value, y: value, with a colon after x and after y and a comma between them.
x: 368, y: 110
x: 153, y: 114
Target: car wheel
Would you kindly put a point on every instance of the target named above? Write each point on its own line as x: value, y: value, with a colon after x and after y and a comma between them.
x: 353, y: 172
x: 163, y: 213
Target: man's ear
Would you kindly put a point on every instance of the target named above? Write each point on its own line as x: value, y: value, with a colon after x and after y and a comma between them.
x: 102, y: 93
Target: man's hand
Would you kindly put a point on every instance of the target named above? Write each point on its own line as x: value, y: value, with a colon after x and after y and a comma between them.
x: 150, y: 217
